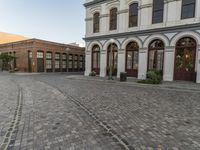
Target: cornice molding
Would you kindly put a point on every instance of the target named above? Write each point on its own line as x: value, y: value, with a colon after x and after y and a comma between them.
x: 179, y: 28
x: 123, y: 11
x: 94, y: 2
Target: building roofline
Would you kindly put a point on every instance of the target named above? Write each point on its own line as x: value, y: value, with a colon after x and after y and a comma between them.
x: 94, y: 2
x: 44, y: 41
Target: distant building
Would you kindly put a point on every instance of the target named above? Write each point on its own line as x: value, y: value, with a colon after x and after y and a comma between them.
x: 34, y: 55
x: 163, y: 35
x: 8, y: 37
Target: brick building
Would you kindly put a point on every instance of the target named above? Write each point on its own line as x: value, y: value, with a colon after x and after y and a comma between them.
x: 34, y: 55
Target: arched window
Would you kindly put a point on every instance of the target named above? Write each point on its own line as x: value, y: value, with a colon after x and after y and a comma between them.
x: 188, y: 9
x: 132, y: 50
x: 158, y: 9
x: 156, y: 55
x: 96, y: 21
x: 96, y: 58
x: 185, y: 59
x: 133, y: 15
x: 113, y: 19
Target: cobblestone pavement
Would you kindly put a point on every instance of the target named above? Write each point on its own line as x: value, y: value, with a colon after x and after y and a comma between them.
x: 61, y: 113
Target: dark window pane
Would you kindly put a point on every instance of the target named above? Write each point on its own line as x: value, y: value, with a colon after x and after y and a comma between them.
x: 158, y: 8
x: 113, y: 19
x: 96, y: 21
x: 186, y: 2
x: 158, y: 17
x: 133, y: 15
x: 188, y: 10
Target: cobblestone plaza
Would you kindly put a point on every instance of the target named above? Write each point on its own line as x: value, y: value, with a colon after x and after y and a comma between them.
x: 63, y: 112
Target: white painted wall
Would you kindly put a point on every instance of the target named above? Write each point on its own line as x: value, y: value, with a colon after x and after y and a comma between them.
x: 168, y: 72
x: 142, y: 69
x: 172, y: 16
x: 198, y: 66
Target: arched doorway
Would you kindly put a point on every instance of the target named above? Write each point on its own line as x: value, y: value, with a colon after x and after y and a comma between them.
x: 132, y: 50
x: 185, y: 55
x: 96, y: 59
x: 156, y: 55
x: 114, y: 58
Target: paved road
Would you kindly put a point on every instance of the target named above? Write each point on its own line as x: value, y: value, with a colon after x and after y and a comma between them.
x: 60, y: 113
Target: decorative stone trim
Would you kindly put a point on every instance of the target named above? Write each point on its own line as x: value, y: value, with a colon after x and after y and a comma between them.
x: 169, y: 50
x: 88, y: 53
x: 103, y: 52
x: 88, y: 19
x: 143, y: 50
x: 145, y: 6
x: 169, y: 1
x: 104, y: 16
x: 122, y: 11
x: 179, y: 28
x: 95, y: 2
x: 170, y: 47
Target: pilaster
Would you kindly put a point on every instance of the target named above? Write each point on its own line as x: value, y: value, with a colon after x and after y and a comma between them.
x: 168, y: 72
x: 120, y: 62
x: 142, y: 69
x: 103, y: 63
x: 88, y: 65
x: 198, y: 65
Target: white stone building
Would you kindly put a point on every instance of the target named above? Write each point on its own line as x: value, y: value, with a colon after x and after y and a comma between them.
x: 148, y: 34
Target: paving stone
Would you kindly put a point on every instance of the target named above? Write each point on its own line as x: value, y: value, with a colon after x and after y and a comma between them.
x: 61, y: 113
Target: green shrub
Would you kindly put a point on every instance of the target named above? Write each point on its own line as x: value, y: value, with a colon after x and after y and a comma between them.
x: 93, y: 73
x: 153, y: 77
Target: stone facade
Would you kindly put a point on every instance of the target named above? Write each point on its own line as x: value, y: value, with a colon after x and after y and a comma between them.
x: 169, y: 31
x: 27, y: 60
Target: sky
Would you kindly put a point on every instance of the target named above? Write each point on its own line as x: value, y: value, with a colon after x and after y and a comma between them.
x: 54, y: 20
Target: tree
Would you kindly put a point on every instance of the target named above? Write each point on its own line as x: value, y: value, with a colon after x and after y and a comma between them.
x: 7, y: 60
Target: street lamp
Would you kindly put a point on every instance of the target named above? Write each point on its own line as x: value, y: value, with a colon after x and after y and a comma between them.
x: 67, y: 50
x: 111, y: 60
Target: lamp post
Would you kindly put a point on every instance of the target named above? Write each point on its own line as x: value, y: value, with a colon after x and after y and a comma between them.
x: 67, y: 50
x: 111, y: 60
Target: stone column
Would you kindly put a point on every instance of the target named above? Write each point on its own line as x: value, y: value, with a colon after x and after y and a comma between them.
x: 88, y: 64
x: 198, y: 65
x: 197, y: 10
x: 168, y: 72
x: 120, y: 62
x: 103, y: 63
x: 143, y: 57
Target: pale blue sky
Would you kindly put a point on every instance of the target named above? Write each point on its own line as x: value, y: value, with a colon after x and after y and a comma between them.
x: 54, y: 20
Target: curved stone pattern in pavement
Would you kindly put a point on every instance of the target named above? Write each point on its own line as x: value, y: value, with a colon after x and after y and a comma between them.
x: 147, y: 117
x: 144, y: 117
x: 51, y: 120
